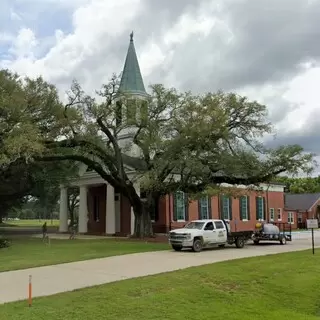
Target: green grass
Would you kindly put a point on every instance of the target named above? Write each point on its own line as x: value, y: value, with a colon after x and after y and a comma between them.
x: 30, y: 252
x: 285, y: 286
x: 29, y: 223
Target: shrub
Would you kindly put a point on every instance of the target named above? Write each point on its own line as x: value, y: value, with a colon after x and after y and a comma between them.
x: 4, y: 243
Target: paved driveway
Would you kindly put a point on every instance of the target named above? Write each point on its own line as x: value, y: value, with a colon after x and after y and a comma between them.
x: 70, y: 276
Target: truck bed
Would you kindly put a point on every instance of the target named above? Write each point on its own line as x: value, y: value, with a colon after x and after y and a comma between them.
x: 246, y: 234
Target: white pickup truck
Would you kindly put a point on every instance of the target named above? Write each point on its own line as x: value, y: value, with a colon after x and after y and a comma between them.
x: 199, y: 234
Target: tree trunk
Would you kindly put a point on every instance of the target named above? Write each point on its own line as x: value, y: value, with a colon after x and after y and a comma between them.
x: 143, y: 224
x: 141, y: 208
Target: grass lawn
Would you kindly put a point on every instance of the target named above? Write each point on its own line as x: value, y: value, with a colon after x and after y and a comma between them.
x: 285, y: 286
x: 31, y: 252
x: 29, y: 223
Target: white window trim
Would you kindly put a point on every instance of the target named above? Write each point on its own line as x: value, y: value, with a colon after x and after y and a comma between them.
x: 201, y: 206
x: 246, y: 197
x: 184, y: 208
x: 271, y: 210
x: 279, y: 210
x: 291, y: 214
x: 226, y: 198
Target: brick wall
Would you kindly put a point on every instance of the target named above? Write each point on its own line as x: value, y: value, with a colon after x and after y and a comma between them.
x: 273, y: 199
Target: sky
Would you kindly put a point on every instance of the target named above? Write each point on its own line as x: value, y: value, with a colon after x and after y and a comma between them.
x: 268, y: 50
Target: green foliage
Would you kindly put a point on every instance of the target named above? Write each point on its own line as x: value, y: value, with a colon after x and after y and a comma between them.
x: 301, y: 185
x: 30, y: 113
x: 18, y: 137
x: 211, y: 139
x: 4, y: 243
x: 186, y: 142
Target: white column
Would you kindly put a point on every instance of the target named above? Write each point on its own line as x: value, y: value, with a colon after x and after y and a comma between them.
x: 63, y: 214
x: 137, y: 188
x: 110, y: 211
x: 132, y: 221
x: 83, y: 210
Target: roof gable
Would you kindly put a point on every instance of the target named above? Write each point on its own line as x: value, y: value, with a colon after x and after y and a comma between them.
x: 302, y: 202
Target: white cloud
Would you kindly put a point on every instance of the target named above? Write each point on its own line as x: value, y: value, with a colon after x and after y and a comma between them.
x: 24, y: 44
x: 95, y: 24
x: 89, y: 53
x: 6, y: 37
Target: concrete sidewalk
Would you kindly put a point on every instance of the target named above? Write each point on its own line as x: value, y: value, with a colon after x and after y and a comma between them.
x: 70, y: 276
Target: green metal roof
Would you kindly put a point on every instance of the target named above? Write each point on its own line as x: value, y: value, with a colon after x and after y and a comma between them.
x: 131, y: 80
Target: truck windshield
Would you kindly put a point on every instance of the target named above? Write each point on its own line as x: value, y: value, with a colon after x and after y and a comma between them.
x: 194, y: 225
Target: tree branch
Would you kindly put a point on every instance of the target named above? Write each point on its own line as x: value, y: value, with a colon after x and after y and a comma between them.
x: 92, y: 164
x: 217, y: 180
x: 114, y: 143
x: 71, y: 143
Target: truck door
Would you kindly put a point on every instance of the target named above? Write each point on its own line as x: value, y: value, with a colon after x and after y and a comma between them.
x: 221, y: 231
x: 210, y: 233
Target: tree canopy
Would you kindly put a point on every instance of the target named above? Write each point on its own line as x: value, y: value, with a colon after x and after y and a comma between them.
x: 301, y: 184
x: 179, y: 141
x: 184, y: 142
x: 30, y: 111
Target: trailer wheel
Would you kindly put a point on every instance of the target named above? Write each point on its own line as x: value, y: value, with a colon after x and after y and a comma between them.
x: 197, y: 245
x: 283, y: 240
x: 176, y: 248
x: 240, y: 242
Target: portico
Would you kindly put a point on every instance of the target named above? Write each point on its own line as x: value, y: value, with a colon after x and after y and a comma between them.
x: 102, y: 209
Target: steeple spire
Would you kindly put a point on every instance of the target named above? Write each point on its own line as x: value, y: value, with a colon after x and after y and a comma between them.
x: 131, y: 80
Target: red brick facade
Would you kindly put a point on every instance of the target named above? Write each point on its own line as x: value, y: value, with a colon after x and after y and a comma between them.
x: 303, y: 206
x: 302, y: 216
x: 272, y: 200
x: 97, y: 211
x: 166, y: 218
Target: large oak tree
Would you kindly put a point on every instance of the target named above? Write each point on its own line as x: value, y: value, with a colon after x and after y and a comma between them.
x: 186, y: 142
x: 30, y: 111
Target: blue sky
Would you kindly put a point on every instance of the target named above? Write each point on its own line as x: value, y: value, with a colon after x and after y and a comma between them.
x: 42, y: 17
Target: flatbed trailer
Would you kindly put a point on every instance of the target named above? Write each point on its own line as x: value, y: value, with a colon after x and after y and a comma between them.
x: 283, y: 235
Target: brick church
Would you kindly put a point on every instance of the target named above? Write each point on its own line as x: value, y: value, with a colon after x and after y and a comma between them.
x: 103, y: 210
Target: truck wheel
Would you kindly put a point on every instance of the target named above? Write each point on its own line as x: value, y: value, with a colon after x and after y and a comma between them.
x: 283, y: 240
x: 240, y: 242
x: 197, y: 245
x: 256, y: 242
x: 176, y: 248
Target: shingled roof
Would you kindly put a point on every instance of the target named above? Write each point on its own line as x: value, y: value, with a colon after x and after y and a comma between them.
x: 301, y: 202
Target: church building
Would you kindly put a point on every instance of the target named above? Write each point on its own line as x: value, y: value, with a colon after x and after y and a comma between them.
x: 104, y: 211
